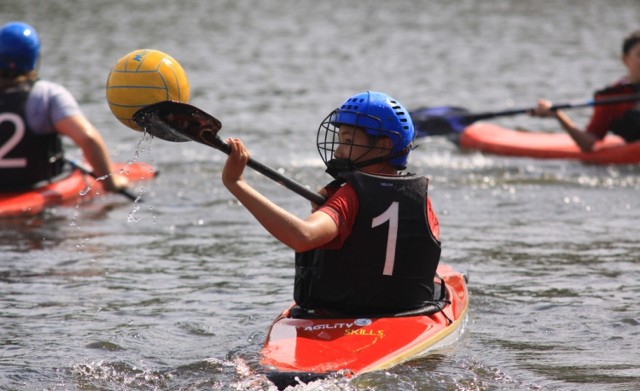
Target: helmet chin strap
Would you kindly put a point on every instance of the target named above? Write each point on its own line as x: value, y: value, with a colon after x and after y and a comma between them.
x: 336, y: 166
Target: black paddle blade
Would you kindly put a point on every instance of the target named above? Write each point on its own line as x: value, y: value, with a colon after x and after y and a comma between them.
x: 179, y: 122
x: 438, y: 121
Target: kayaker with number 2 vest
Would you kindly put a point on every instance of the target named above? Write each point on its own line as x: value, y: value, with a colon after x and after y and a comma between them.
x: 34, y: 114
x: 373, y: 246
x: 622, y: 119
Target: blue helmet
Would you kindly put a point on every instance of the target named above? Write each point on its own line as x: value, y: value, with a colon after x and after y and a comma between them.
x: 19, y: 47
x: 379, y: 115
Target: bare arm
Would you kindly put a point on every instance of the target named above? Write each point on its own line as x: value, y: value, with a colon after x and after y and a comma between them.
x: 298, y: 234
x: 583, y: 139
x: 87, y: 137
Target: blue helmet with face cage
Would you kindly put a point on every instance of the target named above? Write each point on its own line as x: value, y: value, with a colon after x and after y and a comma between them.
x: 19, y: 47
x: 380, y: 115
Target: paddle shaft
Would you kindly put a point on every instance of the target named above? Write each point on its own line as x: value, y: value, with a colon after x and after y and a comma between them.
x: 274, y: 175
x: 447, y: 120
x: 563, y: 106
x: 87, y: 171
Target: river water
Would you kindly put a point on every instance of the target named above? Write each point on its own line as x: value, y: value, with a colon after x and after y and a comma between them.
x: 177, y: 292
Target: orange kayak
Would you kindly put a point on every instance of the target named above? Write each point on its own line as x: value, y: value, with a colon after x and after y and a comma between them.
x: 310, y: 347
x: 77, y: 186
x: 486, y: 137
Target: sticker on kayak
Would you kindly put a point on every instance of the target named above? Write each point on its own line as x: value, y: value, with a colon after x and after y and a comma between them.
x: 339, y: 325
x: 365, y: 333
x: 362, y: 322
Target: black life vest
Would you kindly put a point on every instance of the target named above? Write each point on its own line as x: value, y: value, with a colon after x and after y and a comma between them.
x: 27, y: 159
x: 628, y: 125
x: 366, y: 275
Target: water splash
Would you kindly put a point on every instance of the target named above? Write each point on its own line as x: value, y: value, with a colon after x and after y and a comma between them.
x: 143, y: 147
x: 131, y: 217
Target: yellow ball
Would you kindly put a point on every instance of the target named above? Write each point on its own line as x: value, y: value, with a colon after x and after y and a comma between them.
x: 141, y: 78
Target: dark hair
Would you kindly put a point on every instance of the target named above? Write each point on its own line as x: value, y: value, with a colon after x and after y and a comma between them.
x: 9, y: 74
x: 630, y: 41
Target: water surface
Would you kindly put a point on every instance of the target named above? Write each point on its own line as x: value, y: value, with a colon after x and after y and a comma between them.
x: 178, y: 292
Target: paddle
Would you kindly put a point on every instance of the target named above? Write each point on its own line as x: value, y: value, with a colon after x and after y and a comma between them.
x: 180, y: 122
x: 87, y: 171
x: 446, y: 120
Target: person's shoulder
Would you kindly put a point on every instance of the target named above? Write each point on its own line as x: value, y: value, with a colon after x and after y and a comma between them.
x: 51, y: 93
x: 343, y: 196
x: 619, y: 87
x: 47, y: 87
x: 53, y: 99
x: 346, y: 189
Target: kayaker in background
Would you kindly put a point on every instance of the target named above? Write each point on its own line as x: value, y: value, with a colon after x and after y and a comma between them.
x: 34, y: 114
x: 622, y: 119
x: 373, y: 246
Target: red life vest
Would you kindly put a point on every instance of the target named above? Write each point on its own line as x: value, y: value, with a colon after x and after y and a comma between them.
x: 624, y: 117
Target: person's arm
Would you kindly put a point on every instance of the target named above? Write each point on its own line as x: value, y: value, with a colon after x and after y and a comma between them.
x: 583, y: 139
x: 86, y: 136
x: 300, y: 235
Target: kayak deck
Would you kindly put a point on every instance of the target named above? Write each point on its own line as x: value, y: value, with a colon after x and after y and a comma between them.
x: 490, y: 138
x: 309, y: 348
x: 74, y: 187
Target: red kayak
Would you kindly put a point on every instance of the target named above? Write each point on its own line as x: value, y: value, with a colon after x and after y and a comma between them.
x: 76, y: 186
x: 490, y: 138
x: 308, y: 346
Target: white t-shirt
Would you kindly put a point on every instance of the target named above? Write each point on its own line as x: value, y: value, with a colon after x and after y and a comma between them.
x: 47, y: 104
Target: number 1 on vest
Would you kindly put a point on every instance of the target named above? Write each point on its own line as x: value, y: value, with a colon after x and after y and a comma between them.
x: 390, y: 215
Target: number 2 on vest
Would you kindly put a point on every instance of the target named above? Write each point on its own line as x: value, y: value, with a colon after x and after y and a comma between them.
x: 12, y: 142
x: 390, y: 215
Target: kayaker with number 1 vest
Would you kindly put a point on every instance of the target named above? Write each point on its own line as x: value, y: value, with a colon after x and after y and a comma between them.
x: 373, y: 246
x: 34, y: 114
x: 622, y: 119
